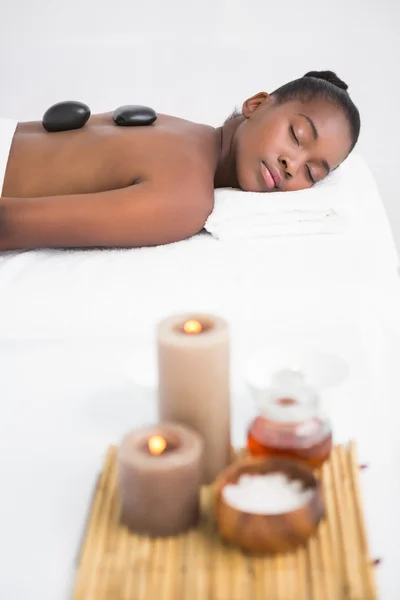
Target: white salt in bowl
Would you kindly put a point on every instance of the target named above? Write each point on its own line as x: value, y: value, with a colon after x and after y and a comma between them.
x: 242, y: 522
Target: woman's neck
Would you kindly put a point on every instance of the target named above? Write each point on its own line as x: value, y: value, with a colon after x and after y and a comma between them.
x: 225, y: 173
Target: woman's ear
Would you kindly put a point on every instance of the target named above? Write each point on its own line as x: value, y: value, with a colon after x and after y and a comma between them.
x: 252, y: 104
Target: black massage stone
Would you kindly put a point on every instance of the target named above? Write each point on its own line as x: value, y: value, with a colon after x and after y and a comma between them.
x: 65, y: 116
x: 134, y: 116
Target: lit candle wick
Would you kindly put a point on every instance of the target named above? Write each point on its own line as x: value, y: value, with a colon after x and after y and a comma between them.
x: 286, y: 401
x: 192, y: 326
x: 157, y: 445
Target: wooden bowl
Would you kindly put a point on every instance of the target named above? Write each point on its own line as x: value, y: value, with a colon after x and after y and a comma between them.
x: 258, y: 533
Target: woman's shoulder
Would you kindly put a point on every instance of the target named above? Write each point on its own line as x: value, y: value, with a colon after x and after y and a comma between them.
x: 188, y: 134
x: 181, y: 147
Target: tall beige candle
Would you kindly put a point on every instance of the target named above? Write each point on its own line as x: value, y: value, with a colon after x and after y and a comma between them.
x: 193, y: 365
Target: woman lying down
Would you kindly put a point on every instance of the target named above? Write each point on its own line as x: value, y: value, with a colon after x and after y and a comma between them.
x: 106, y: 185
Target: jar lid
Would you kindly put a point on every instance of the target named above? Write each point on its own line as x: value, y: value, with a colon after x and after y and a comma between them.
x: 289, y: 398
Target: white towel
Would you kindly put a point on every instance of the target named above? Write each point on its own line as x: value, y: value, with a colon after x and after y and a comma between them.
x: 261, y: 223
x: 7, y: 130
x: 330, y: 207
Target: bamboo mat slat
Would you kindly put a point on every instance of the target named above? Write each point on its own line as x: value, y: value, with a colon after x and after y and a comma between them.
x: 116, y: 564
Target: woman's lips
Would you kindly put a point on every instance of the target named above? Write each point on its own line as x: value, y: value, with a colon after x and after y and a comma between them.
x: 271, y: 175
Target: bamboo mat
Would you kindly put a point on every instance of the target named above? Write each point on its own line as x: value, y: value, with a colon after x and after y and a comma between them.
x: 335, y: 565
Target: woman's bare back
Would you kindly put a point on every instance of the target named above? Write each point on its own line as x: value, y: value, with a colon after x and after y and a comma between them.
x: 102, y: 156
x: 105, y: 185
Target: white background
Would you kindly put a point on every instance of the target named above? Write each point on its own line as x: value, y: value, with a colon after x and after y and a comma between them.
x: 200, y: 60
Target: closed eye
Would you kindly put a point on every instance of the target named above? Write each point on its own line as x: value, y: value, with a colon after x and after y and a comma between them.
x: 309, y: 175
x: 293, y: 135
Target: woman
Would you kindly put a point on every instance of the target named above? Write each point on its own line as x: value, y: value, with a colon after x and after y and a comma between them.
x: 108, y: 186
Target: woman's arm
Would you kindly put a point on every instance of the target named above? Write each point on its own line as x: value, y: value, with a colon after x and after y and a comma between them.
x: 139, y: 215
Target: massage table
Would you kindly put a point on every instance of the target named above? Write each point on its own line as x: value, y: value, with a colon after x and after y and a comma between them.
x: 78, y: 369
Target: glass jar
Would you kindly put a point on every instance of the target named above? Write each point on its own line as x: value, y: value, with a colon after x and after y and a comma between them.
x: 291, y: 423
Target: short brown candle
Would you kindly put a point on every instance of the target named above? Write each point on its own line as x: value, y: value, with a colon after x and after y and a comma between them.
x: 193, y: 365
x: 159, y: 477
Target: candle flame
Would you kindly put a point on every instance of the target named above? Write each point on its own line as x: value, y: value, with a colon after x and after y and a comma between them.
x: 192, y: 326
x: 157, y: 445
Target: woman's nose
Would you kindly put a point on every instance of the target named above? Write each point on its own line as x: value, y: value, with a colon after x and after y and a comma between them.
x: 289, y: 165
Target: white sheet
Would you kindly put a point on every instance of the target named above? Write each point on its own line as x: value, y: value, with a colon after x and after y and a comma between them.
x: 121, y: 294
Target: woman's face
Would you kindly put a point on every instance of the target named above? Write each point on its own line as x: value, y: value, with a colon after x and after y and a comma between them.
x: 288, y: 146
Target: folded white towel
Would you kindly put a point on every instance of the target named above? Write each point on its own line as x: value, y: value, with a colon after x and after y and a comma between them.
x: 282, y: 224
x: 330, y: 207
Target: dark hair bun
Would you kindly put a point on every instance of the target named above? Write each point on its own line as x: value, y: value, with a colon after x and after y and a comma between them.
x: 329, y: 76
